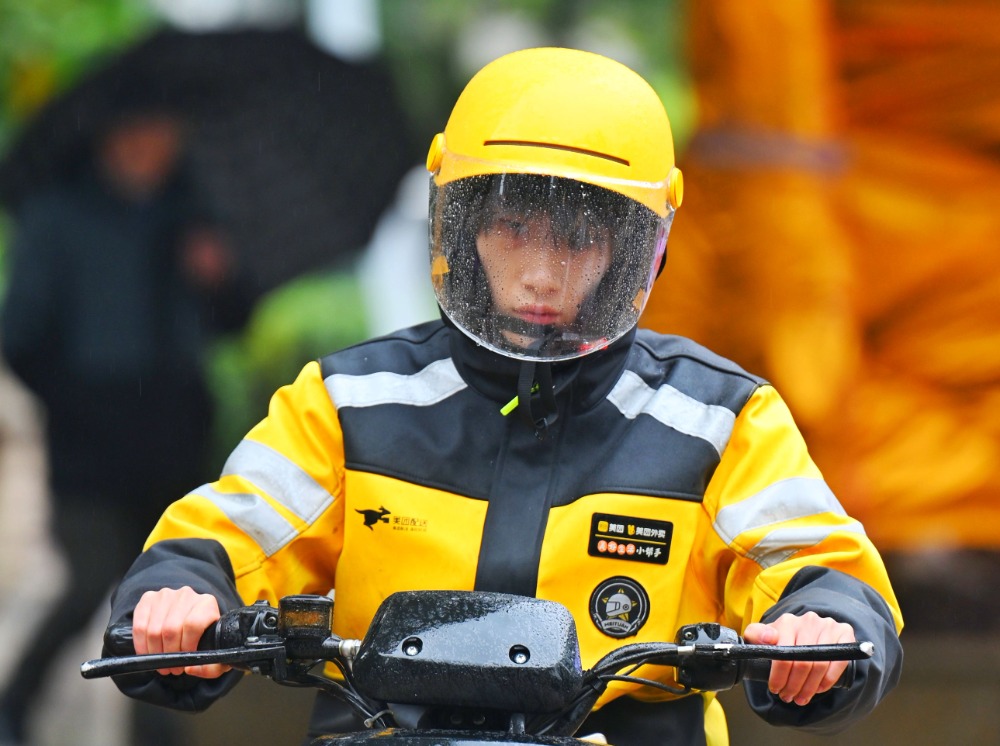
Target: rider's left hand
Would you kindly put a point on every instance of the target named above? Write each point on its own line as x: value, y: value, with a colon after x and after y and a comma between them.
x: 800, y: 681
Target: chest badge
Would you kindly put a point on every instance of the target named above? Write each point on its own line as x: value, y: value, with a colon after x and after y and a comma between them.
x: 619, y: 607
x: 632, y: 539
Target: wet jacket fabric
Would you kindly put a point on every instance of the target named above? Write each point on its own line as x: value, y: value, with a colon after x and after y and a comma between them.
x: 672, y: 488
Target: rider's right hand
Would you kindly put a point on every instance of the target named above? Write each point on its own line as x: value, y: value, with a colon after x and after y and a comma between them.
x: 172, y: 621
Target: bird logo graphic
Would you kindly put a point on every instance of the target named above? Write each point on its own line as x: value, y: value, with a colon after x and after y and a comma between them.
x: 374, y: 516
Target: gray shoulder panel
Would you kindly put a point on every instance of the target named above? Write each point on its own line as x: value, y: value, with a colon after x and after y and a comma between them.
x: 404, y: 352
x: 692, y: 370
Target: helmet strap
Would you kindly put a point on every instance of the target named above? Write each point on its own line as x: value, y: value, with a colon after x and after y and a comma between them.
x: 536, y: 396
x: 537, y: 392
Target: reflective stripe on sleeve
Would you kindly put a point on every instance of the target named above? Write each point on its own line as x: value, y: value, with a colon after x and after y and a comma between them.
x: 782, y: 543
x: 280, y: 477
x: 253, y: 516
x: 788, y: 500
x: 433, y: 384
x: 674, y: 409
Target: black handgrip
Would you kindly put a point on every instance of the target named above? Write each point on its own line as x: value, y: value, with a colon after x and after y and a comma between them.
x: 118, y: 639
x: 758, y: 669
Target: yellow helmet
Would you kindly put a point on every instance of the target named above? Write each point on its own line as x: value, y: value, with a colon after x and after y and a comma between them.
x: 566, y: 113
x: 553, y: 188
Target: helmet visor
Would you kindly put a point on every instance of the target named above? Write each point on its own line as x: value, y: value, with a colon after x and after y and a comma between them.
x: 539, y: 267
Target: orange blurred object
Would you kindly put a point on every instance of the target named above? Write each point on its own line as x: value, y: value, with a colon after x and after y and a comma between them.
x: 841, y: 236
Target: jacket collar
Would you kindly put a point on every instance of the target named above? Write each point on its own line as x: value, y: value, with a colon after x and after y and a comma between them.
x: 495, y: 376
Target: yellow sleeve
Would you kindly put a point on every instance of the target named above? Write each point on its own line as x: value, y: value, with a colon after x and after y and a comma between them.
x: 771, y: 514
x: 277, y: 509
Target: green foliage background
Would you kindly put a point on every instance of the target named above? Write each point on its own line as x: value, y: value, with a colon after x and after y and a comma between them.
x: 46, y: 45
x: 296, y: 323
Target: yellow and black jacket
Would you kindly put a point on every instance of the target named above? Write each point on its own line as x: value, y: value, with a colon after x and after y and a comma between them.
x: 672, y: 488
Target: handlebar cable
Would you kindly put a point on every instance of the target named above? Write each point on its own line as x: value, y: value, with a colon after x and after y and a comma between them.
x: 379, y: 718
x: 595, y: 682
x: 348, y: 694
x: 361, y: 706
x: 680, y: 690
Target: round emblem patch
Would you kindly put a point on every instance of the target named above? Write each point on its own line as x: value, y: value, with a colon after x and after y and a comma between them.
x: 619, y: 607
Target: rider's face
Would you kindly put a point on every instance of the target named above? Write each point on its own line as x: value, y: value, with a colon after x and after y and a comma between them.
x: 536, y: 277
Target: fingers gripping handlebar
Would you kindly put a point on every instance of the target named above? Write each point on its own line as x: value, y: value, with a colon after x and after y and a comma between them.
x: 736, y: 661
x: 258, y: 638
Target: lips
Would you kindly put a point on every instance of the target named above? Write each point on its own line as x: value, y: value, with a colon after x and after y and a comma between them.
x: 538, y: 314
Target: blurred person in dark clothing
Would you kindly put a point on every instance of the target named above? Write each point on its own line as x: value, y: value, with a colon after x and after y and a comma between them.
x: 119, y: 276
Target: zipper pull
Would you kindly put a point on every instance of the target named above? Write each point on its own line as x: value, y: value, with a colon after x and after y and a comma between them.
x: 510, y: 406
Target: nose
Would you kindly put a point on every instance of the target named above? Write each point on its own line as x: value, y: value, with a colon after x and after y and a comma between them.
x: 544, y: 267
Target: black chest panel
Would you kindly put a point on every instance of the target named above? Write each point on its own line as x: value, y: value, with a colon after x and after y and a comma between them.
x: 462, y: 444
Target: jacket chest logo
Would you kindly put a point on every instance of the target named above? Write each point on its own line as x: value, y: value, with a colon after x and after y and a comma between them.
x: 632, y: 539
x: 619, y: 607
x: 371, y: 518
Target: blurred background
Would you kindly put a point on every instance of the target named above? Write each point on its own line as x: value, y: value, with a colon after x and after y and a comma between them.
x: 839, y: 236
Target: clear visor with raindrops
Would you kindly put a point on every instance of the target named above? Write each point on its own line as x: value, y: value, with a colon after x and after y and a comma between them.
x: 539, y: 267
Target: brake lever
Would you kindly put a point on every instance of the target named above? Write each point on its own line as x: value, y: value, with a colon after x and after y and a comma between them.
x: 265, y: 657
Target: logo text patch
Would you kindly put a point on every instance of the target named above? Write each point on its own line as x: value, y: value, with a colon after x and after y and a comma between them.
x: 627, y: 538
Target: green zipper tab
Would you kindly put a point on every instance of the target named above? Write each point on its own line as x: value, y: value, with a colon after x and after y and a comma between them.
x: 510, y: 406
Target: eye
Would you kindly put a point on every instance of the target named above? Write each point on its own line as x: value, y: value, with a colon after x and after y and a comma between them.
x: 585, y: 234
x: 512, y: 225
x: 590, y: 237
